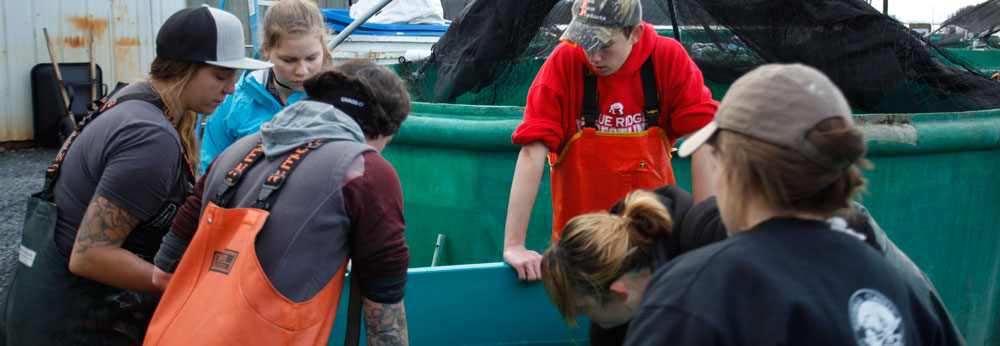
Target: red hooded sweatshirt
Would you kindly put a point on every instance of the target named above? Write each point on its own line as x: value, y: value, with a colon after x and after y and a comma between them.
x: 552, y: 114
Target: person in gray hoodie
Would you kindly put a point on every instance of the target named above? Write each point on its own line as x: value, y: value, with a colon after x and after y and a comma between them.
x: 343, y: 201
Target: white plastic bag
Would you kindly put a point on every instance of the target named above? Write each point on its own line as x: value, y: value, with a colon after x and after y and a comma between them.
x: 403, y: 12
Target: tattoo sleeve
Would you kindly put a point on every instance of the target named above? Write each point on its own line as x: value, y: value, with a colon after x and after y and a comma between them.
x: 104, y: 224
x: 385, y: 324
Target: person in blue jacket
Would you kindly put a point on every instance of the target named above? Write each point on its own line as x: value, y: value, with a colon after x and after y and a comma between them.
x: 293, y: 41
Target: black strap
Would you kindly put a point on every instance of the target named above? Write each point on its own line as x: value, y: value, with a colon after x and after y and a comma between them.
x: 234, y: 175
x: 272, y: 184
x: 52, y: 173
x: 589, y: 111
x: 274, y: 181
x: 651, y: 109
x: 353, y: 314
x: 96, y: 104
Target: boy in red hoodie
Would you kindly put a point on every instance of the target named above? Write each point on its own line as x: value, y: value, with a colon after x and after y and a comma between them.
x: 605, y: 109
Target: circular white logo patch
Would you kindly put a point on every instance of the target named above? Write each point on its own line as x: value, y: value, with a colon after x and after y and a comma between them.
x: 875, y: 320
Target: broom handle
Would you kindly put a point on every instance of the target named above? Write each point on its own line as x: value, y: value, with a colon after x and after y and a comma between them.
x: 55, y: 66
x: 93, y: 69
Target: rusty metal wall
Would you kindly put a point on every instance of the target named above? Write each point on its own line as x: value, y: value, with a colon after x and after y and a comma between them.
x: 124, y: 39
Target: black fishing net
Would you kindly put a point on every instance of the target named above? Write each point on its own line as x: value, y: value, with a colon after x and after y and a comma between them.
x: 971, y: 27
x: 492, y: 51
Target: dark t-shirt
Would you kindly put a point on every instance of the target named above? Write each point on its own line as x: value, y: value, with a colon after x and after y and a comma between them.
x: 131, y: 156
x: 695, y: 225
x: 785, y: 282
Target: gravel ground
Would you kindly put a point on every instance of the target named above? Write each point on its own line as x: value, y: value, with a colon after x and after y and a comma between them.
x: 21, y: 174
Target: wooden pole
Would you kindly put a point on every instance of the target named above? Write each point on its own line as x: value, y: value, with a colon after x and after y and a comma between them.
x: 59, y: 79
x: 93, y: 69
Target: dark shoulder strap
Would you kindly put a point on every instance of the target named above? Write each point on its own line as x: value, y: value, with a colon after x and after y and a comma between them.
x: 52, y: 172
x: 233, y: 177
x: 274, y: 181
x: 651, y: 110
x: 96, y: 104
x: 353, y: 313
x: 589, y: 111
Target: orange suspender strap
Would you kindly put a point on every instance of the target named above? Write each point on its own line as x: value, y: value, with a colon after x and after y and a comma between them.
x: 273, y: 182
x: 98, y: 107
x: 226, y: 190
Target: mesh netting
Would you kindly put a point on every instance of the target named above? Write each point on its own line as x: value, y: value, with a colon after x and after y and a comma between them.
x: 493, y: 50
x: 972, y: 27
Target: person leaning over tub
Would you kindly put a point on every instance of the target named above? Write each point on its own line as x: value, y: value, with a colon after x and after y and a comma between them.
x: 293, y: 42
x: 600, y: 265
x: 86, y: 278
x: 341, y: 201
x: 693, y: 227
x: 609, y: 102
x: 785, y: 148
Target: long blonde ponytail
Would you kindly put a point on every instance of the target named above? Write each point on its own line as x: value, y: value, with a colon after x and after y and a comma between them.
x: 598, y: 248
x: 173, y: 76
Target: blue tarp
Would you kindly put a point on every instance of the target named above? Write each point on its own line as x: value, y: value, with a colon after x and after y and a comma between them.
x: 337, y: 19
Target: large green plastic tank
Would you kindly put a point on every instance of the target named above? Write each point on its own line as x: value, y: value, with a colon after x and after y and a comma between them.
x: 934, y: 189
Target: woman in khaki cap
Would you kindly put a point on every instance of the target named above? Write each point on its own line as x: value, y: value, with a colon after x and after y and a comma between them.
x: 786, y: 150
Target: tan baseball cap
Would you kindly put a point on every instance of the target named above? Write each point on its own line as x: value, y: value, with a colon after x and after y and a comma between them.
x: 778, y: 104
x: 595, y: 21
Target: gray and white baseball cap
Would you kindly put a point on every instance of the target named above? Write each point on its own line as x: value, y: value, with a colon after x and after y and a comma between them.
x: 205, y: 34
x: 595, y: 21
x: 778, y: 104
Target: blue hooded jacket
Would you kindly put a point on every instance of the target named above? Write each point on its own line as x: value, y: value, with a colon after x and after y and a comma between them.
x: 240, y: 115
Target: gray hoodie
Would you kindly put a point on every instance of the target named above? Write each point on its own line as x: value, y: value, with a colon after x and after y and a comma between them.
x: 305, y: 121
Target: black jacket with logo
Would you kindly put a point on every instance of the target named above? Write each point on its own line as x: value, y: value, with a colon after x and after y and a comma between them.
x: 785, y: 282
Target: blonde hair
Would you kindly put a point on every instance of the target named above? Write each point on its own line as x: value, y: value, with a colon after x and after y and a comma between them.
x: 175, y: 75
x: 598, y: 248
x: 788, y: 180
x: 287, y: 18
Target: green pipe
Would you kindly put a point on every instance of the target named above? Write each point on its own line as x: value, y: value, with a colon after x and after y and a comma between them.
x: 477, y: 135
x: 488, y: 128
x: 929, y: 133
x: 461, y: 111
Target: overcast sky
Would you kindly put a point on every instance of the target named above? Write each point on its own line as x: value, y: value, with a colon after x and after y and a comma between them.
x: 924, y: 11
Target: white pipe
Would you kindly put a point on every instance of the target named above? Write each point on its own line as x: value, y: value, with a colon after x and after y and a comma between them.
x: 437, y: 250
x: 356, y: 23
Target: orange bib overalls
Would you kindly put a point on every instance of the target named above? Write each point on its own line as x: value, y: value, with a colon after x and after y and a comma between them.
x: 595, y: 169
x: 219, y: 290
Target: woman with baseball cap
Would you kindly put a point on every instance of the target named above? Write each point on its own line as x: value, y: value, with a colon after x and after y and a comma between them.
x: 786, y: 150
x: 85, y: 272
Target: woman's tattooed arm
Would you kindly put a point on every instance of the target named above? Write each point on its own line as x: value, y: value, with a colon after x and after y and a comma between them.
x: 98, y: 254
x: 385, y: 324
x: 104, y: 224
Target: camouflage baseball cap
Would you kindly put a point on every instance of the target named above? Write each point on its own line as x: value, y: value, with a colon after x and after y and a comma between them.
x: 594, y: 21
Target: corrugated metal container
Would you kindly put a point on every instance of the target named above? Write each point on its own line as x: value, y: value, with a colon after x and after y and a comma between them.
x: 124, y: 39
